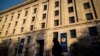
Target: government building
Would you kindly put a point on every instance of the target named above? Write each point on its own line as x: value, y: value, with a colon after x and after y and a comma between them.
x: 29, y: 28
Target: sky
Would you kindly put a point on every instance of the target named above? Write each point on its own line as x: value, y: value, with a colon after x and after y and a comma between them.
x: 5, y: 4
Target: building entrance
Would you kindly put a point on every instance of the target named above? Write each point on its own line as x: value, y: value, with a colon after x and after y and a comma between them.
x: 64, y: 42
x: 40, y: 48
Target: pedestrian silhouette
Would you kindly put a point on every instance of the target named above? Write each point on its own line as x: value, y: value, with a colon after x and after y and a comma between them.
x: 57, y: 49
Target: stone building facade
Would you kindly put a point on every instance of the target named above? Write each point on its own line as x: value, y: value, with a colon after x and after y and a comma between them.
x: 28, y: 29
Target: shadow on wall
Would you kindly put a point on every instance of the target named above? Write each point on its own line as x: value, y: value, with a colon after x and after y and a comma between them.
x: 86, y: 45
x: 38, y: 46
x: 4, y: 47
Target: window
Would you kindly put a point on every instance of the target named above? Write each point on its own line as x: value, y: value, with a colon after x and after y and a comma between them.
x: 6, y: 32
x: 35, y: 9
x: 70, y: 1
x: 44, y: 16
x: 16, y: 23
x: 93, y: 31
x: 21, y: 46
x: 24, y: 20
x: 0, y: 19
x: 33, y: 18
x: 57, y: 4
x: 5, y: 19
x: 70, y: 9
x: 29, y: 39
x: 56, y: 12
x: 0, y: 33
x: 72, y: 19
x: 43, y: 25
x: 11, y: 18
x: 9, y: 25
x: 26, y: 12
x: 56, y: 22
x: 31, y: 27
x: 18, y: 15
x: 55, y: 34
x: 86, y: 5
x: 73, y: 33
x: 45, y: 7
x: 13, y: 31
x: 2, y: 26
x: 89, y: 16
x: 22, y: 28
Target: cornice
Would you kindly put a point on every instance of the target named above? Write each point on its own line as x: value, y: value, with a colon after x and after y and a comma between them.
x: 16, y: 6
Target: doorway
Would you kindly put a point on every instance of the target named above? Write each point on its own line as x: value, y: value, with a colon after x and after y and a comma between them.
x: 40, y: 48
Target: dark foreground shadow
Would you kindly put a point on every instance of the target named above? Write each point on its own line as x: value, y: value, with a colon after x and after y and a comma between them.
x: 57, y: 49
